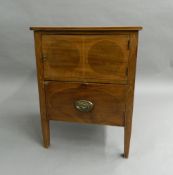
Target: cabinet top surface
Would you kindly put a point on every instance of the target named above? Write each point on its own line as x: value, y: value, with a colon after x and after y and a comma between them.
x: 54, y: 28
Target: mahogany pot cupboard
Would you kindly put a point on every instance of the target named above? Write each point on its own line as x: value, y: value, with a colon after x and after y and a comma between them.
x: 86, y: 75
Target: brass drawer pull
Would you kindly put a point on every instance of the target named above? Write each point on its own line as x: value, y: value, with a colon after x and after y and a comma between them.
x: 83, y: 105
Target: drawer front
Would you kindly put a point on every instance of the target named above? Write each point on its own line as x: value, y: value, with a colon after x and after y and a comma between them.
x: 86, y: 103
x: 93, y: 58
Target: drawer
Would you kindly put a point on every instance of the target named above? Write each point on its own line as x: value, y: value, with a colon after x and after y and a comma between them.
x: 86, y: 103
x: 92, y: 58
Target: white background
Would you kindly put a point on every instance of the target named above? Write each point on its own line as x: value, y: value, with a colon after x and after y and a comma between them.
x: 86, y: 149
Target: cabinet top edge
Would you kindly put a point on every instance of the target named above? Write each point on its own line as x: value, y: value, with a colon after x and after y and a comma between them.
x: 118, y: 28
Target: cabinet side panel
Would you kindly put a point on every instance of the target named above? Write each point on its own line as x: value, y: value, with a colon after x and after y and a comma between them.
x: 40, y: 76
x: 132, y: 71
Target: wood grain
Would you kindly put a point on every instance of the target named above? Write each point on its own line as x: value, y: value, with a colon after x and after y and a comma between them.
x: 54, y: 28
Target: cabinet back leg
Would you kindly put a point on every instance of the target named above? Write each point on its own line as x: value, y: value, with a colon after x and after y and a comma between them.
x: 45, y: 133
x: 127, y: 136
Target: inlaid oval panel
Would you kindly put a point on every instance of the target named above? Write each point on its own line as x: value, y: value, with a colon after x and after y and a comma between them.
x: 62, y: 57
x: 63, y: 54
x: 107, y: 58
x: 104, y: 56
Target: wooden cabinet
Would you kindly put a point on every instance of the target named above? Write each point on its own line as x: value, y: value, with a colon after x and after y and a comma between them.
x: 86, y: 75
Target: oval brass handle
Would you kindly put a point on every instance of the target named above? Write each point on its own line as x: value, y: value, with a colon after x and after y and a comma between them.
x: 83, y: 105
